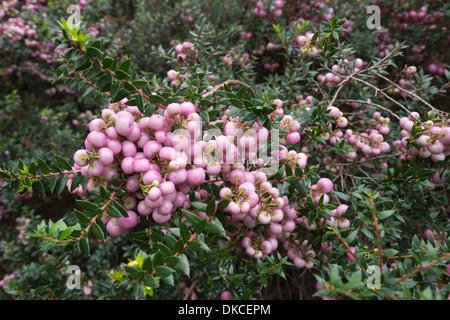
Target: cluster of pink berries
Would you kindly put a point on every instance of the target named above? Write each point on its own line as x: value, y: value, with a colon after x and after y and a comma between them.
x: 175, y: 77
x: 332, y: 79
x: 371, y: 141
x: 272, y: 47
x: 161, y: 158
x: 7, y: 278
x: 302, y: 253
x: 338, y: 115
x: 140, y: 152
x: 304, y: 102
x: 186, y: 51
x: 238, y: 58
x: 293, y: 128
x: 259, y: 51
x: 275, y: 10
x: 246, y: 35
x: 433, y: 142
x: 279, y: 111
x: 420, y: 17
x: 437, y: 68
x: 271, y: 67
x: 267, y: 208
x: 304, y: 42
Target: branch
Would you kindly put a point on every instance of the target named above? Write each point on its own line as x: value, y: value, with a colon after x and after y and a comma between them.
x: 427, y: 266
x: 407, y: 92
x: 216, y: 88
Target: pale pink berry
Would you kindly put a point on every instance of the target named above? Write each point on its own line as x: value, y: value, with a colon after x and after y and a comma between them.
x: 325, y: 184
x: 97, y: 139
x: 106, y: 156
x: 81, y: 157
x: 124, y: 126
x: 128, y: 223
x: 114, y: 228
x: 196, y: 176
x: 151, y: 176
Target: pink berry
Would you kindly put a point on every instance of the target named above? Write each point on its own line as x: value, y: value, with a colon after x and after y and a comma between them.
x: 196, y: 176
x: 225, y: 295
x: 80, y: 157
x: 151, y: 176
x: 114, y: 228
x: 157, y: 122
x: 127, y: 165
x: 141, y: 165
x: 97, y: 139
x: 106, y: 156
x: 293, y: 137
x: 124, y: 126
x: 128, y: 223
x: 325, y: 184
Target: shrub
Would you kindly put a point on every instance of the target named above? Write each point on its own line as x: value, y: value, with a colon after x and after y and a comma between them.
x: 204, y: 160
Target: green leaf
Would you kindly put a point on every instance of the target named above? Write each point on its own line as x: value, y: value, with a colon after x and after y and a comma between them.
x: 158, y: 259
x: 66, y: 233
x: 223, y: 204
x: 211, y: 207
x: 140, y: 83
x: 62, y: 184
x: 185, y: 232
x: 52, y: 183
x: 104, y: 79
x: 39, y: 186
x: 55, y: 227
x: 88, y: 205
x: 84, y: 246
x: 104, y: 194
x: 179, y: 246
x: 112, y: 211
x: 123, y: 93
x: 385, y: 214
x: 119, y: 207
x: 92, y: 73
x: 214, y: 226
x: 199, y: 206
x: 43, y: 166
x: 342, y: 196
x: 352, y: 236
x: 76, y: 181
x: 170, y: 240
x: 154, y: 98
x: 150, y: 281
x: 125, y: 65
x: 200, y: 226
x: 148, y: 264
x: 81, y: 216
x: 115, y: 181
x: 193, y: 245
x: 191, y: 217
x: 183, y: 265
x: 94, y: 52
x: 390, y: 252
x: 130, y: 87
x: 172, y: 261
x: 121, y: 75
x: 97, y: 231
x: 107, y: 62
